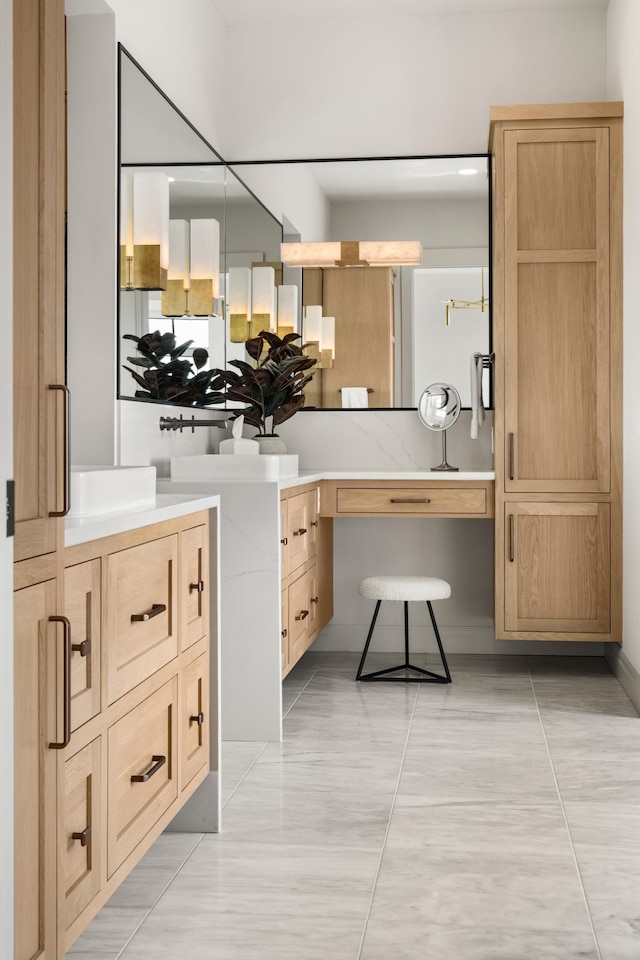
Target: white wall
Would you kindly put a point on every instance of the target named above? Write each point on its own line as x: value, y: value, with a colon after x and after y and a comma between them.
x: 380, y: 86
x: 623, y: 83
x: 6, y: 471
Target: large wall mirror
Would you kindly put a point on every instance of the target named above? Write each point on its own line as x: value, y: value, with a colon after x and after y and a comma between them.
x: 202, y: 269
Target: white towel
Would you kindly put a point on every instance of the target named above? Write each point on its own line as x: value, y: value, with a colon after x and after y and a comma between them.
x: 477, y: 406
x: 355, y: 397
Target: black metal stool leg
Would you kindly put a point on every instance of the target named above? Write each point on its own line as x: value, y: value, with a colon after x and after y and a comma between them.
x: 370, y: 634
x: 439, y: 642
x: 406, y: 634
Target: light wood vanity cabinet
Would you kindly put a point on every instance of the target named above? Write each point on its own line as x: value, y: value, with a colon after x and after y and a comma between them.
x: 557, y: 334
x: 82, y: 591
x: 80, y: 834
x: 307, y: 571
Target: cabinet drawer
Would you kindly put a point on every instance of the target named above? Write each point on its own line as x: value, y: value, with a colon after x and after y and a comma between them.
x: 194, y: 585
x: 142, y: 612
x: 298, y: 530
x: 312, y: 506
x: 141, y: 744
x: 299, y: 616
x: 80, y: 842
x: 194, y: 720
x: 411, y: 501
x: 82, y: 607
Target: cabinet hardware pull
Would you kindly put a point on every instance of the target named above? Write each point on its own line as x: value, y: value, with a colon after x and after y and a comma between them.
x: 199, y: 586
x: 66, y: 503
x: 284, y: 634
x: 303, y: 614
x: 426, y: 500
x: 199, y: 719
x: 84, y: 648
x: 156, y: 609
x: 158, y: 761
x: 512, y: 469
x: 67, y: 684
x: 300, y: 533
x: 314, y: 523
x: 284, y: 541
x: 511, y: 538
x: 315, y: 600
x: 84, y: 837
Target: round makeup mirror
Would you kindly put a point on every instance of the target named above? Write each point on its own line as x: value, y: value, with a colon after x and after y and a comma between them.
x: 438, y: 409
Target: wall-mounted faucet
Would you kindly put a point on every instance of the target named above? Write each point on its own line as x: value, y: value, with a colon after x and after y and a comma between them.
x: 179, y: 423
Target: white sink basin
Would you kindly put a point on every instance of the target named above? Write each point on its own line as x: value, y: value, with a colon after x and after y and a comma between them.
x: 237, y: 467
x: 108, y: 489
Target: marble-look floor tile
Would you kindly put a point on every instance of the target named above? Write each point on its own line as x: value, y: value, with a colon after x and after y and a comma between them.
x: 598, y: 780
x: 237, y: 758
x: 108, y: 934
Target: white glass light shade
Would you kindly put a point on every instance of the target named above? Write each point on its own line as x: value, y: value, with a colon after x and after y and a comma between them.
x: 312, y: 328
x: 328, y: 336
x: 205, y: 252
x: 151, y: 212
x: 126, y: 213
x: 391, y: 252
x: 239, y: 304
x: 179, y: 251
x: 310, y: 254
x: 287, y: 309
x: 263, y: 300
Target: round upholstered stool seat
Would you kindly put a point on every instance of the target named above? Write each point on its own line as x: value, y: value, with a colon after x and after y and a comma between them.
x: 404, y: 588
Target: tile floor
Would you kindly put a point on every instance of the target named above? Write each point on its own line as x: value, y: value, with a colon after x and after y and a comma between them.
x: 494, y: 819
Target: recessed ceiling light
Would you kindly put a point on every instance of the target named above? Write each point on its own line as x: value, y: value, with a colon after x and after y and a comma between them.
x: 173, y: 179
x: 467, y: 171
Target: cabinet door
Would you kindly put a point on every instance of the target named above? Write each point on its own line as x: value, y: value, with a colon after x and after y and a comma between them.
x: 299, y: 612
x: 313, y: 505
x: 194, y: 720
x: 284, y: 630
x: 557, y: 345
x: 314, y: 603
x: 284, y: 538
x: 194, y: 594
x: 82, y: 607
x: 38, y: 272
x: 80, y: 832
x: 557, y: 576
x: 298, y: 527
x: 35, y: 641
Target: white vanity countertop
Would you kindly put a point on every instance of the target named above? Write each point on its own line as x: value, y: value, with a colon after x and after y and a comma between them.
x: 311, y: 476
x: 167, y: 507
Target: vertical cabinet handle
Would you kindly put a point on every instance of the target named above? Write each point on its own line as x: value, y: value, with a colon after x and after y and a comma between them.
x: 66, y: 503
x: 199, y: 586
x: 84, y: 837
x: 66, y: 684
x: 511, y: 458
x: 512, y: 546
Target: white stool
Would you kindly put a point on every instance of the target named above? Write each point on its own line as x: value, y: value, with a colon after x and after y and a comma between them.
x: 405, y: 589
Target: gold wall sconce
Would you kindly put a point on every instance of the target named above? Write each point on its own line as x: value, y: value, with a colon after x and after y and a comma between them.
x: 194, y: 268
x: 144, y: 231
x: 319, y: 337
x: 263, y: 300
x: 481, y: 304
x: 239, y: 304
x: 353, y: 253
x: 287, y: 309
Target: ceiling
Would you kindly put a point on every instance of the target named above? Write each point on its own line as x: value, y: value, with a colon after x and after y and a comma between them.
x: 247, y: 11
x: 402, y: 179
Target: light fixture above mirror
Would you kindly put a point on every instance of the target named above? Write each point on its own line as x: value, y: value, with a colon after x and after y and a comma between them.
x: 353, y: 253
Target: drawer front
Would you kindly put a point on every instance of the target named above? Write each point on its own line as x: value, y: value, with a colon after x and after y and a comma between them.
x: 82, y: 607
x: 284, y: 538
x: 142, y: 583
x: 298, y: 530
x: 194, y: 720
x: 80, y: 842
x: 314, y: 603
x: 299, y: 613
x: 284, y: 629
x: 312, y: 505
x: 411, y: 501
x: 194, y: 589
x: 142, y: 744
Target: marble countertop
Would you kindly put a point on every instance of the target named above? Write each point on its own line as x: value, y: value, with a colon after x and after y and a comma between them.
x: 167, y: 507
x: 311, y: 476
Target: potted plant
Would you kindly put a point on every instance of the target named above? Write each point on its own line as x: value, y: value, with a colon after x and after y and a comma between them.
x: 272, y: 389
x: 168, y: 376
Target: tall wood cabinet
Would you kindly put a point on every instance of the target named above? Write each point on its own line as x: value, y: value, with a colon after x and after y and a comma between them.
x: 557, y: 320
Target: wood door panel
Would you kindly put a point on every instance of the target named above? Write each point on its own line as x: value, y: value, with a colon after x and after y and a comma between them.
x: 81, y: 803
x: 284, y: 538
x: 82, y: 594
x: 557, y: 575
x: 299, y: 612
x: 194, y: 595
x: 284, y: 629
x: 298, y: 530
x: 412, y: 501
x: 194, y: 706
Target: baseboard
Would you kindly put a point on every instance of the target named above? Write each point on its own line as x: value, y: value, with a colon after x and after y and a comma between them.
x: 624, y: 671
x: 456, y: 639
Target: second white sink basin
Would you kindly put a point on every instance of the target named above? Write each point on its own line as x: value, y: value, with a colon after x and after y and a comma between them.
x: 108, y: 489
x: 237, y: 467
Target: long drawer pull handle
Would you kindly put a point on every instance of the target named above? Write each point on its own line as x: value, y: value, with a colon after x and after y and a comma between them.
x: 158, y: 762
x: 66, y: 504
x: 284, y: 541
x: 199, y: 719
x: 315, y: 600
x: 84, y: 648
x: 155, y: 611
x: 302, y: 615
x: 199, y: 586
x: 512, y: 469
x: 314, y: 523
x: 512, y: 547
x: 84, y: 837
x: 426, y: 500
x: 300, y: 533
x: 67, y: 684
